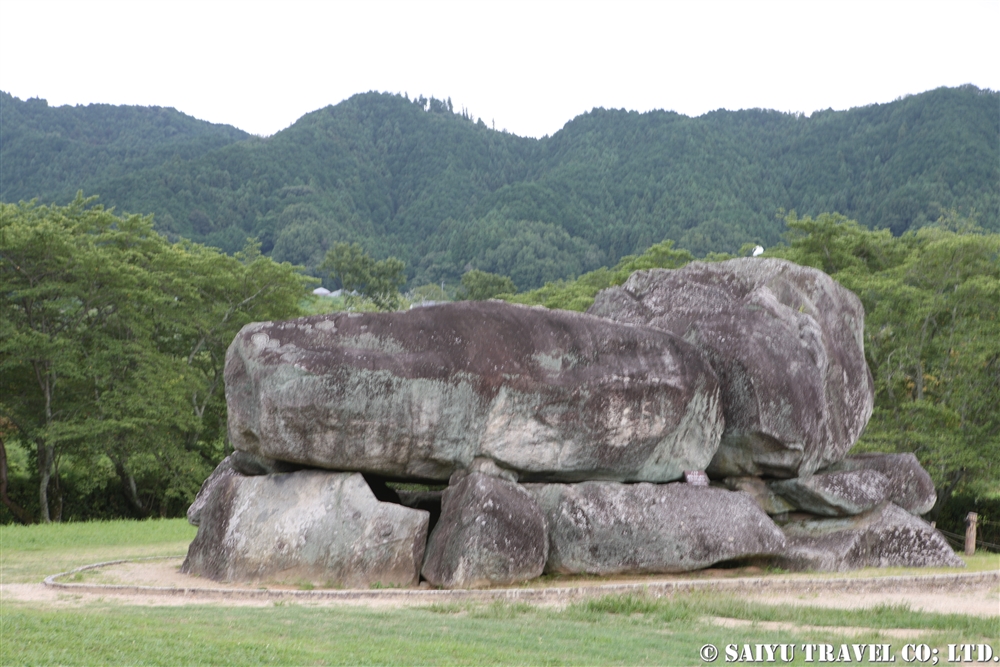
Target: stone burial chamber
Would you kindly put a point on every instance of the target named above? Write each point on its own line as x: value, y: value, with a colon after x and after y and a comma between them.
x: 481, y: 444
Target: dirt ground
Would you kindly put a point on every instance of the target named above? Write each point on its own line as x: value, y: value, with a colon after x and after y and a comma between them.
x: 979, y: 599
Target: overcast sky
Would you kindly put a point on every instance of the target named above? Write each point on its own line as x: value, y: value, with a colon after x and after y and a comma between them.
x: 529, y: 67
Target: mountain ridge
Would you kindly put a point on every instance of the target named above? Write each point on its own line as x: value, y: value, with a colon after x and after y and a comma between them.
x: 414, y: 179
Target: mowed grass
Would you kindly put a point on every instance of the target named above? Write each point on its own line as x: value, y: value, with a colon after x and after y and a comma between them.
x: 609, y: 631
x: 624, y: 629
x: 30, y: 553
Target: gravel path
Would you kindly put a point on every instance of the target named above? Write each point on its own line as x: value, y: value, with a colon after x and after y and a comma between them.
x: 158, y: 582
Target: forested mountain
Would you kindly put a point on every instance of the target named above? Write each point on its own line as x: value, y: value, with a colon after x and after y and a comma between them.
x: 52, y: 152
x: 414, y: 179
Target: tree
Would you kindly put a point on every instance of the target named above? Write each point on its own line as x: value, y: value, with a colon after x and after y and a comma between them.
x: 480, y: 285
x: 60, y: 278
x: 19, y: 513
x: 579, y: 294
x: 113, y: 341
x: 356, y: 271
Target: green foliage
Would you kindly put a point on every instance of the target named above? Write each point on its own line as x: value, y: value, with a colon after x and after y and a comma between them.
x: 529, y: 252
x: 429, y: 292
x: 932, y: 338
x: 480, y: 286
x: 446, y: 194
x: 112, y: 348
x: 579, y: 294
x: 52, y: 152
x: 355, y: 271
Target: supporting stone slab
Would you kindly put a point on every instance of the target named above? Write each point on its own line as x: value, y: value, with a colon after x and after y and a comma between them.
x: 313, y: 526
x: 611, y: 528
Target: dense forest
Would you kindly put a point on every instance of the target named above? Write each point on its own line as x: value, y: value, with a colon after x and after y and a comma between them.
x: 445, y: 193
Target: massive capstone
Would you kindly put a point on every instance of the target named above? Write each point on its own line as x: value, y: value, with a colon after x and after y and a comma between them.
x: 549, y: 395
x: 787, y: 344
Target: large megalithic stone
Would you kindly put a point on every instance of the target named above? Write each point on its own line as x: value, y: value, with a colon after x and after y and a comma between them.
x: 237, y: 463
x: 609, y: 528
x: 910, y: 487
x: 787, y: 344
x: 491, y: 532
x: 887, y: 536
x: 313, y: 525
x: 843, y: 493
x: 550, y: 395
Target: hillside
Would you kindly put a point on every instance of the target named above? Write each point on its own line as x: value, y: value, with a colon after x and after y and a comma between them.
x: 413, y: 179
x: 51, y: 152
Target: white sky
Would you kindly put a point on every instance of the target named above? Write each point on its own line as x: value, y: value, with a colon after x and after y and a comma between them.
x: 528, y: 66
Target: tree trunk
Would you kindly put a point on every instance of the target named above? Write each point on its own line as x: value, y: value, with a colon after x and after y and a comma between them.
x: 58, y: 490
x: 46, y: 452
x: 128, y: 485
x: 14, y: 508
x: 45, y: 456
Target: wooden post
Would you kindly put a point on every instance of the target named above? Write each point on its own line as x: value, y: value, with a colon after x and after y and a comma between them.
x: 970, y: 533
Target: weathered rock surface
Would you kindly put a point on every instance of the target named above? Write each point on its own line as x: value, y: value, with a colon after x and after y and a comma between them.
x: 835, y: 493
x: 758, y: 489
x: 491, y: 532
x: 312, y: 525
x: 786, y: 342
x: 887, y: 536
x: 910, y: 486
x: 610, y: 528
x: 222, y: 471
x: 550, y: 395
x: 237, y: 463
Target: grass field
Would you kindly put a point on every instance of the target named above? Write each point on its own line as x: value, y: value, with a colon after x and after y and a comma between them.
x: 612, y: 630
x: 30, y: 553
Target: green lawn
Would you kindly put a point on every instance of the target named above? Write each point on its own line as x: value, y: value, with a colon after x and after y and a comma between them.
x: 609, y: 631
x: 31, y: 553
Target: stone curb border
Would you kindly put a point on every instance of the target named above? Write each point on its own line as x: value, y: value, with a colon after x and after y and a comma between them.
x: 949, y: 582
